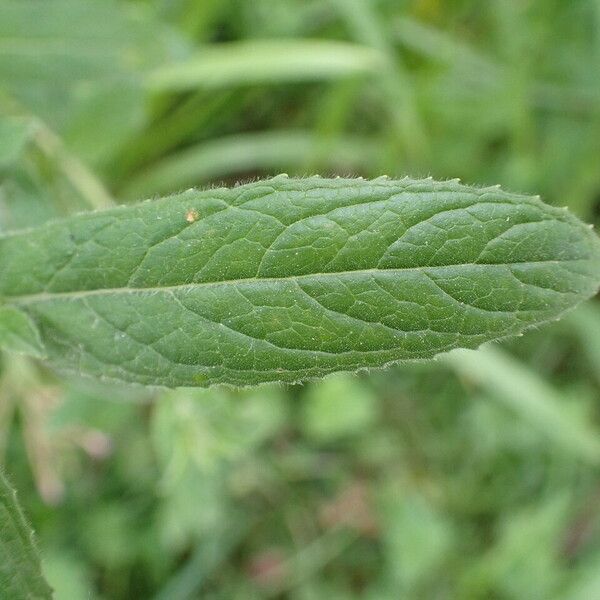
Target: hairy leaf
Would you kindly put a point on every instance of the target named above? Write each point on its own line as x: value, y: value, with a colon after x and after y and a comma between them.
x: 289, y: 279
x: 20, y: 572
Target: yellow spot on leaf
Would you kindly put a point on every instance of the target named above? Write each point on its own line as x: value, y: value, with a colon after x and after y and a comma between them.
x: 191, y: 216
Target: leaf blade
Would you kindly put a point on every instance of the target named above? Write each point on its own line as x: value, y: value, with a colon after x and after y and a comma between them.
x: 18, y: 333
x: 20, y: 571
x: 288, y: 279
x: 265, y: 61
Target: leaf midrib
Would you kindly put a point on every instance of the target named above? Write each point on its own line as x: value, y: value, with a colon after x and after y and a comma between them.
x: 73, y: 294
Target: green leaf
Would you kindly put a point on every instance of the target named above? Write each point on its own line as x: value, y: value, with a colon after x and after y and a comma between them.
x: 14, y: 134
x: 341, y: 406
x: 20, y: 571
x: 290, y: 279
x: 18, y: 333
x: 266, y: 61
x: 268, y: 150
x: 62, y: 41
x: 529, y: 396
x: 55, y: 54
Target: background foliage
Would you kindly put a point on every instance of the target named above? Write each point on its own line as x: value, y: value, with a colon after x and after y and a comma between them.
x: 473, y: 477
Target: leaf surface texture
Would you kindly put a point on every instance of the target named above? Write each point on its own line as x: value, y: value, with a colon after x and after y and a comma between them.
x: 288, y: 279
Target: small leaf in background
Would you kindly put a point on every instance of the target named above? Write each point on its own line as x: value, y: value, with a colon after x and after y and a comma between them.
x: 54, y: 42
x: 20, y: 572
x: 529, y: 396
x: 107, y: 535
x: 18, y: 333
x: 585, y: 323
x: 266, y: 61
x: 338, y: 407
x: 271, y: 151
x: 14, y: 134
x: 68, y: 575
x: 205, y: 441
x: 418, y: 541
x: 103, y: 117
x: 78, y: 65
x: 525, y: 559
x: 291, y: 279
x: 23, y: 203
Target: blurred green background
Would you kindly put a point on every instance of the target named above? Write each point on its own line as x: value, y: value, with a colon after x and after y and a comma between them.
x: 474, y: 477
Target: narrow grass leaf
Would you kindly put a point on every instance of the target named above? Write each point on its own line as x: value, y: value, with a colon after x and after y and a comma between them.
x: 265, y: 61
x: 529, y: 396
x: 270, y: 151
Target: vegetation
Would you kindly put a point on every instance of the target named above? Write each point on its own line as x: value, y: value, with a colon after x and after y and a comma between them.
x: 290, y: 279
x: 474, y: 476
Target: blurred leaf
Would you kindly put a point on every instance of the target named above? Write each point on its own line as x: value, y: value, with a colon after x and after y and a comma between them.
x: 209, y: 427
x: 201, y: 112
x: 524, y: 562
x: 201, y: 437
x: 441, y: 46
x: 18, y: 333
x: 302, y: 567
x: 207, y: 556
x: 338, y: 406
x: 530, y: 397
x: 395, y: 80
x: 585, y: 322
x: 23, y: 203
x: 47, y: 47
x: 103, y: 118
x: 584, y: 582
x: 20, y: 573
x: 65, y: 40
x: 268, y: 151
x: 418, y: 540
x: 265, y: 61
x: 14, y: 134
x: 282, y: 279
x: 68, y: 576
x: 107, y: 534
